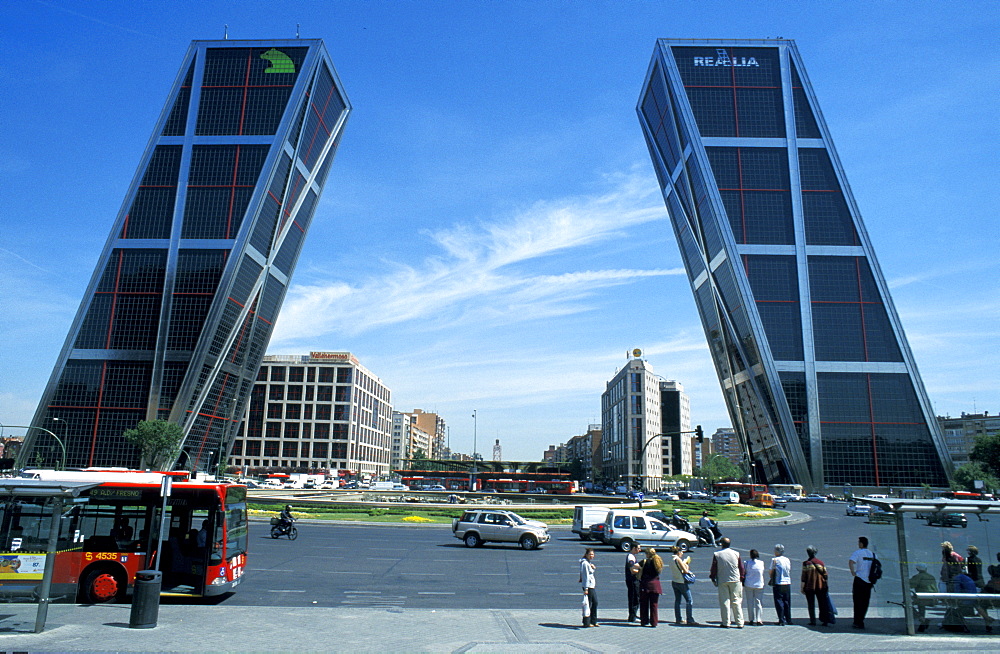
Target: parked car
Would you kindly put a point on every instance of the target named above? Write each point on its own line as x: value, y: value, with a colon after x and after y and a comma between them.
x: 479, y: 526
x: 859, y: 509
x: 789, y: 497
x: 726, y: 497
x: 670, y: 497
x: 815, y: 497
x: 948, y: 519
x: 623, y: 528
x: 684, y: 495
x: 436, y: 487
x: 699, y: 495
x: 596, y: 532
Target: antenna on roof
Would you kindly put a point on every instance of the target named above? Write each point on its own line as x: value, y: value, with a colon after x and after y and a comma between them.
x: 225, y: 32
x: 296, y: 30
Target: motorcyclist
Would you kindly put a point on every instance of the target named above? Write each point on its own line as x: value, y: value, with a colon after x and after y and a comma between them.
x: 707, y: 528
x: 285, y: 520
x: 678, y: 521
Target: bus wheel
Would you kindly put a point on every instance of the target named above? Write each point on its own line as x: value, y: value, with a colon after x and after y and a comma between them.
x: 100, y: 586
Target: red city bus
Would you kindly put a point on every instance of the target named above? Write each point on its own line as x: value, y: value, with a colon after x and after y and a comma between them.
x: 746, y: 492
x: 112, y: 532
x: 554, y: 487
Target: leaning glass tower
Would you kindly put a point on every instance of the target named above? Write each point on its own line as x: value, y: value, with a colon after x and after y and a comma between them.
x: 179, y: 311
x: 816, y: 371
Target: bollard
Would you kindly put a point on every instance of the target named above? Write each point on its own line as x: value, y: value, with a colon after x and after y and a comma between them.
x: 145, y: 600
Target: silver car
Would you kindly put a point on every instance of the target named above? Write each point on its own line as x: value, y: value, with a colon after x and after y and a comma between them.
x: 478, y: 526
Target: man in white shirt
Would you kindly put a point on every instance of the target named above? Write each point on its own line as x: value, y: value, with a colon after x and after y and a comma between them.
x: 861, y: 592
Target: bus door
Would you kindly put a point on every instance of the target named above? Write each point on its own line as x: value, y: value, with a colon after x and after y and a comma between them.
x: 185, y: 546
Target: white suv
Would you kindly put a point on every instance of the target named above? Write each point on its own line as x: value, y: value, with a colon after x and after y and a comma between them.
x: 478, y: 526
x: 623, y: 528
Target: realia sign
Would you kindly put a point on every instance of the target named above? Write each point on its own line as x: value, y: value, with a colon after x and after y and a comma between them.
x: 723, y: 59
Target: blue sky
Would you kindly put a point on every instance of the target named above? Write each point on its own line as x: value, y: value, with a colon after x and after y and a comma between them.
x: 491, y: 236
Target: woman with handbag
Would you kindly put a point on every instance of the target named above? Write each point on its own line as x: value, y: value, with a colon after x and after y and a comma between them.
x: 649, y: 589
x: 589, y: 582
x: 681, y: 580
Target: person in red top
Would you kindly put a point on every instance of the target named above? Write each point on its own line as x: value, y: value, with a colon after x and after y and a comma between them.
x: 816, y: 588
x: 952, y: 566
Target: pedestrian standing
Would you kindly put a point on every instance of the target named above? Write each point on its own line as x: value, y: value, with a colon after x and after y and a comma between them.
x: 650, y: 589
x: 861, y: 591
x: 952, y: 565
x: 588, y: 579
x: 679, y: 567
x: 816, y: 588
x: 753, y: 588
x: 781, y: 583
x: 974, y: 565
x: 727, y: 575
x: 632, y: 571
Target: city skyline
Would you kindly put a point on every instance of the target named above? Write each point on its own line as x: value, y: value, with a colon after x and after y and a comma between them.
x: 493, y: 235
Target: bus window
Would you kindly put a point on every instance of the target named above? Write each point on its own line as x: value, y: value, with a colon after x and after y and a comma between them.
x: 236, y: 529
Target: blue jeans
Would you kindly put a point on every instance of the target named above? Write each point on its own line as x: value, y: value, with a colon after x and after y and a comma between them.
x: 682, y: 590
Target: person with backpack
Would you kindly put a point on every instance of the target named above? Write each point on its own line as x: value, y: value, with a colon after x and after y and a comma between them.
x: 861, y: 591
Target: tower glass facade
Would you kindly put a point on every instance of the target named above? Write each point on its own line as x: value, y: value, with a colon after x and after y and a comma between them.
x: 179, y: 311
x: 815, y: 369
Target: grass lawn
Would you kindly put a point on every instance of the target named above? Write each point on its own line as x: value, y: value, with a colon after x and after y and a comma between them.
x: 553, y: 516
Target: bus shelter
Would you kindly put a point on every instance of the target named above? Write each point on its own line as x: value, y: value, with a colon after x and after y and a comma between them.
x: 27, y: 560
x: 899, y: 507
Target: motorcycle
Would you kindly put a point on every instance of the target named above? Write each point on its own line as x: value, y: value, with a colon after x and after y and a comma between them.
x: 279, y: 528
x: 706, y: 536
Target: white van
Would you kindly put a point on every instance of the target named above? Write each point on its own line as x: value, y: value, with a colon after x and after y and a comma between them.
x: 584, y: 516
x: 726, y: 497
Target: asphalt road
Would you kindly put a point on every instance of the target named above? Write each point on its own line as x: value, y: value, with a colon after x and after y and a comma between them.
x: 426, y: 567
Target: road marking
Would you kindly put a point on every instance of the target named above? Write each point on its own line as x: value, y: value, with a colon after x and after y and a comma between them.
x: 362, y: 592
x: 491, y: 574
x: 286, y: 591
x: 426, y: 574
x: 505, y: 593
x: 268, y: 570
x: 431, y: 592
x: 571, y: 594
x: 345, y: 572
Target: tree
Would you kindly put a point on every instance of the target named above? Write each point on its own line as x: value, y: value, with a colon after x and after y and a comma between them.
x: 967, y: 474
x: 719, y: 468
x: 158, y: 442
x: 987, y: 452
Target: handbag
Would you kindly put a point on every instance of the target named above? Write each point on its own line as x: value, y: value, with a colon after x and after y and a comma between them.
x: 689, y: 577
x: 586, y: 607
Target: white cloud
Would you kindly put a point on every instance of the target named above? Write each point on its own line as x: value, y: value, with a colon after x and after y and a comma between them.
x: 484, y: 271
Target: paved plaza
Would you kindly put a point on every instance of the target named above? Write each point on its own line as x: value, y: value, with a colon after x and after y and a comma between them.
x: 187, y: 628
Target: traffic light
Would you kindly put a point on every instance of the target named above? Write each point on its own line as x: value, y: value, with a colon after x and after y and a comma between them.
x: 699, y: 433
x: 637, y: 484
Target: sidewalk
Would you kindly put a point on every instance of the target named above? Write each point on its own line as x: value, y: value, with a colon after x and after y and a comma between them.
x: 199, y: 628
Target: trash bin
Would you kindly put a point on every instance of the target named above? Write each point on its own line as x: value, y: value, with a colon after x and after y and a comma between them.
x: 145, y: 600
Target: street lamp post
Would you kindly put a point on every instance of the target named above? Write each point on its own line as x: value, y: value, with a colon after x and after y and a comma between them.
x: 50, y: 433
x: 475, y: 425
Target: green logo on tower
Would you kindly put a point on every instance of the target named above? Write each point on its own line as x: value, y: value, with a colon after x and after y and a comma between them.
x: 280, y: 63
